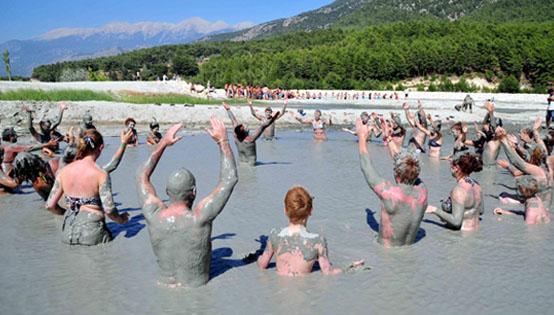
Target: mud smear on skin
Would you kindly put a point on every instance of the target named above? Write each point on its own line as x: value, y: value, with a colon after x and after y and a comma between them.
x: 504, y: 267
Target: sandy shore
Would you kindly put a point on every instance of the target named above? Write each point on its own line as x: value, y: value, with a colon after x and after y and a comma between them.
x: 515, y: 108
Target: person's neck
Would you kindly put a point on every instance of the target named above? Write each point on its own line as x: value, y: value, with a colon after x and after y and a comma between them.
x: 293, y: 227
x: 460, y: 177
x: 89, y: 159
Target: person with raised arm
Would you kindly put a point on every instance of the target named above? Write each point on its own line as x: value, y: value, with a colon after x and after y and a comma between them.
x: 47, y: 129
x: 88, y: 195
x: 246, y: 143
x: 11, y: 148
x: 269, y: 132
x: 535, y: 211
x: 543, y: 176
x: 374, y: 130
x: 491, y: 148
x: 417, y: 140
x: 403, y: 201
x: 435, y: 137
x: 462, y: 209
x: 180, y: 232
x: 154, y: 136
x: 318, y: 124
x: 41, y: 174
x: 296, y: 249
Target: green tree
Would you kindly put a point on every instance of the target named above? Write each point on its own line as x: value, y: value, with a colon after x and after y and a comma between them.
x: 6, y: 57
x: 185, y: 65
x: 509, y: 85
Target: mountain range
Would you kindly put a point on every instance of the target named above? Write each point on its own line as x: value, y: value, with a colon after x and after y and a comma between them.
x: 361, y: 13
x: 79, y: 43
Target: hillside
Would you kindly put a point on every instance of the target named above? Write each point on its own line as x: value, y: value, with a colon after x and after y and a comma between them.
x: 362, y: 13
x: 369, y: 58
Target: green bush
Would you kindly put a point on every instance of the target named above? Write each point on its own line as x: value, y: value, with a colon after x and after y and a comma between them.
x: 509, y: 85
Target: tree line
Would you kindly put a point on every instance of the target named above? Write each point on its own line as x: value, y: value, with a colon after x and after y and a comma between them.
x: 368, y: 58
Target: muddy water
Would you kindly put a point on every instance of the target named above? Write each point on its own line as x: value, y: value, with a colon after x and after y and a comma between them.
x: 506, y: 267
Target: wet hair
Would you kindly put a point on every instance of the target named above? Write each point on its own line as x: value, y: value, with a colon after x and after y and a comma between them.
x: 268, y: 109
x: 549, y: 141
x: 154, y: 124
x: 298, y: 203
x: 28, y: 167
x: 406, y: 169
x: 527, y: 186
x: 89, y: 143
x: 537, y: 156
x: 528, y: 132
x: 129, y: 120
x: 44, y: 122
x: 457, y: 126
x: 8, y: 133
x: 241, y: 132
x: 469, y: 163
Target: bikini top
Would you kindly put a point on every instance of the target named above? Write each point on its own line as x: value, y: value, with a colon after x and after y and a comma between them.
x: 317, y: 124
x: 433, y: 143
x: 75, y: 204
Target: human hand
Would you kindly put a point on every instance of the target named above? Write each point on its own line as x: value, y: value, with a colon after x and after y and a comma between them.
x: 125, y: 136
x: 537, y: 124
x: 405, y: 106
x: 431, y: 209
x: 26, y: 108
x: 226, y: 106
x: 62, y: 106
x: 218, y: 131
x: 170, y: 138
x: 361, y: 130
x: 500, y: 132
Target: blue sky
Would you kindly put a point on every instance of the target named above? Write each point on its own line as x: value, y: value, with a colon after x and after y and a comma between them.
x: 24, y: 19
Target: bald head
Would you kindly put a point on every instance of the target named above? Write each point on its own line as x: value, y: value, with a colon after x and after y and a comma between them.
x: 181, y: 186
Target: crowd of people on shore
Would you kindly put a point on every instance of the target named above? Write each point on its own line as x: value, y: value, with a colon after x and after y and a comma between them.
x: 74, y: 186
x: 238, y: 91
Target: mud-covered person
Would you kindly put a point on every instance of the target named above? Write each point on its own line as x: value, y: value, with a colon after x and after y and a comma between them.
x: 535, y: 211
x: 463, y: 208
x: 403, y: 201
x: 154, y: 136
x: 269, y: 132
x: 88, y: 195
x: 180, y: 232
x: 295, y: 248
x: 246, y: 143
x: 47, y: 129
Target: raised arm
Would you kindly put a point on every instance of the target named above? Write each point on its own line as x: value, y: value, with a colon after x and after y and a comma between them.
x: 371, y: 175
x: 422, y: 128
x: 106, y: 197
x: 208, y: 209
x: 537, y: 135
x: 259, y: 131
x: 514, y: 158
x: 30, y: 126
x: 284, y: 110
x: 230, y: 114
x: 409, y: 116
x: 253, y: 112
x: 62, y: 107
x: 116, y: 159
x: 455, y: 219
x: 147, y: 193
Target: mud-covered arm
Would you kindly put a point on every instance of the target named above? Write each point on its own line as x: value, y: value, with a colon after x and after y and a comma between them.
x: 422, y: 128
x: 265, y: 258
x: 232, y: 117
x: 259, y: 131
x: 455, y: 219
x: 55, y: 195
x: 371, y: 174
x: 284, y: 110
x: 518, y: 162
x: 323, y: 260
x: 253, y: 112
x: 213, y: 204
x: 147, y: 193
x: 106, y: 197
x: 116, y: 159
x: 60, y: 118
x: 30, y: 126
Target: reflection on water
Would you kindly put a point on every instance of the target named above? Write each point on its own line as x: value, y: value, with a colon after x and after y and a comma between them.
x: 501, y: 268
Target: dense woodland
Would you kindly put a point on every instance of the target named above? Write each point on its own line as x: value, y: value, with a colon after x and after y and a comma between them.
x: 367, y: 58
